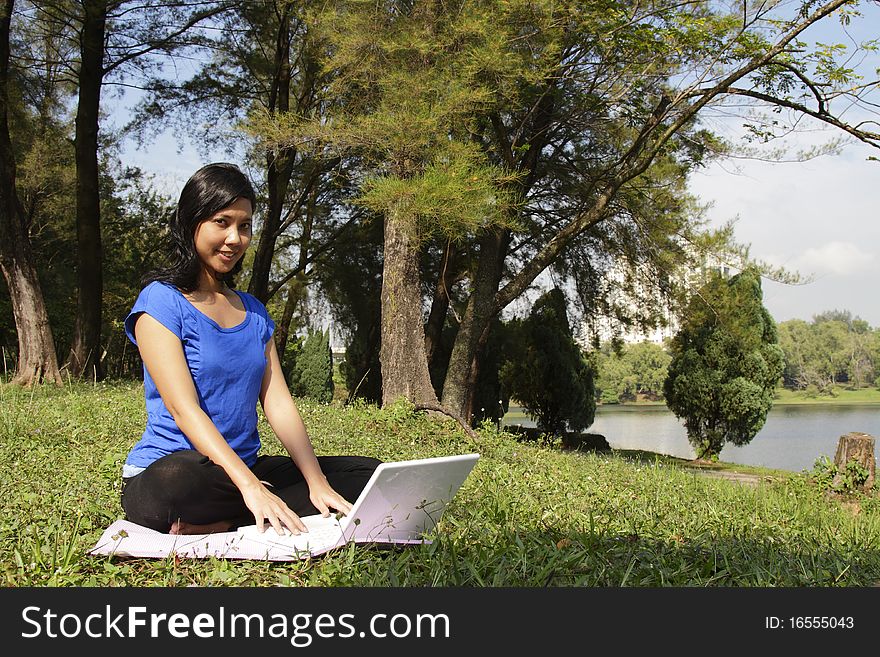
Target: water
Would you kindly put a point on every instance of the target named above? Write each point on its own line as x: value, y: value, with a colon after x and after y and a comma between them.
x: 793, y: 437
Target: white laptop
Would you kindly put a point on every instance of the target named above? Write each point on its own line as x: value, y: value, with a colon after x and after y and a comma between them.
x: 401, y: 502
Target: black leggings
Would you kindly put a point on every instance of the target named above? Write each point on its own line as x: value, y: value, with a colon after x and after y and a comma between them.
x: 188, y: 486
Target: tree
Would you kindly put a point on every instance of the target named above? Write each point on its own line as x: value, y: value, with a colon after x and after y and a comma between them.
x: 262, y: 63
x: 615, y: 380
x: 108, y: 38
x: 798, y: 344
x: 491, y: 396
x: 548, y: 374
x: 697, y: 56
x: 585, y: 126
x: 649, y: 363
x: 37, y: 360
x: 403, y: 89
x: 833, y: 335
x: 726, y: 363
x: 350, y: 277
x: 313, y: 373
x: 834, y: 348
x: 639, y: 369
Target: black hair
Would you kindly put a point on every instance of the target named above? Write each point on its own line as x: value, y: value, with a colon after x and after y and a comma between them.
x: 208, y: 191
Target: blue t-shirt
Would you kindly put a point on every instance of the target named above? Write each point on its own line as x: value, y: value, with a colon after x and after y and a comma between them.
x: 227, y: 367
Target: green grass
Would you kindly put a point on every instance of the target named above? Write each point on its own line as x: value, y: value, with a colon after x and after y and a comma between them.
x: 840, y: 396
x: 529, y: 514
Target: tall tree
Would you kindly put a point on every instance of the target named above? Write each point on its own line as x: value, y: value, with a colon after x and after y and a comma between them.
x: 313, y: 374
x: 726, y: 363
x: 590, y: 108
x: 111, y: 37
x: 662, y: 69
x: 834, y: 348
x: 403, y: 90
x: 85, y: 350
x: 36, y: 351
x: 263, y: 63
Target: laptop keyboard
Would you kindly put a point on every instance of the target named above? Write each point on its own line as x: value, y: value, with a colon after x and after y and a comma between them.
x: 323, y: 532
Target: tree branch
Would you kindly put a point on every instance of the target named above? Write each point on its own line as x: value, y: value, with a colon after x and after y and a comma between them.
x: 870, y: 138
x: 317, y: 252
x: 194, y: 20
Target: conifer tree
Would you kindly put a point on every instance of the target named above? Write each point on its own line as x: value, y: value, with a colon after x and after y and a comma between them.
x: 534, y: 130
x: 726, y: 362
x: 313, y: 374
x: 548, y: 374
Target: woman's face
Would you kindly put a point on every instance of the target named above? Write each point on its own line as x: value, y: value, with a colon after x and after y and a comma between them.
x: 222, y: 238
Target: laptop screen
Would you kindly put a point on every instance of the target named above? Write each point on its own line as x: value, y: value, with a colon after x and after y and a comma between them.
x: 404, y: 499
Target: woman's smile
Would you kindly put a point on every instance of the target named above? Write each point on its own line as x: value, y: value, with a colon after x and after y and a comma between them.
x: 222, y: 238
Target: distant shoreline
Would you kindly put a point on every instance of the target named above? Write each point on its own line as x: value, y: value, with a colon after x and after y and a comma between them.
x: 864, y: 397
x: 786, y: 397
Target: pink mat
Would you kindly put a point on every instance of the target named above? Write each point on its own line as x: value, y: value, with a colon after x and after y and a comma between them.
x: 126, y: 539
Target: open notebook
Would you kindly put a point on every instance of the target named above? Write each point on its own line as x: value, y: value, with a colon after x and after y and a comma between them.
x: 400, y: 503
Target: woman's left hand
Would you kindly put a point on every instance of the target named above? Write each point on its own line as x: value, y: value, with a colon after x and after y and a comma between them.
x: 325, y: 498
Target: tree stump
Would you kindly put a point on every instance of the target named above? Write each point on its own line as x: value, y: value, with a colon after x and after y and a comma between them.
x: 859, y: 447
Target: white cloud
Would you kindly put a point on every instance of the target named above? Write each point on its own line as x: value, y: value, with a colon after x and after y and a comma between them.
x: 841, y: 258
x: 815, y: 218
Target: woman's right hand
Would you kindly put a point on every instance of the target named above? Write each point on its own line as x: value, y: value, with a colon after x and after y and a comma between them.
x: 266, y: 506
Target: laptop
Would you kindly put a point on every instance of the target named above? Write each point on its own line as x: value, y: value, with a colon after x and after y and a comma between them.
x: 402, y: 501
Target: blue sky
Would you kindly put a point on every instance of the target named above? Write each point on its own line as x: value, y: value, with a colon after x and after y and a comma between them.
x: 817, y: 217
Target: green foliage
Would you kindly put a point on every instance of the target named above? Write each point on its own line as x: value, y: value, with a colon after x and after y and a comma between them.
x: 849, y: 480
x: 834, y: 349
x: 725, y: 364
x: 288, y: 359
x: 636, y: 369
x: 405, y: 89
x: 312, y: 374
x: 455, y: 195
x: 616, y: 381
x: 547, y: 373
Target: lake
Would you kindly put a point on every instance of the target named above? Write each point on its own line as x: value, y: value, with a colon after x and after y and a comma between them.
x: 793, y: 437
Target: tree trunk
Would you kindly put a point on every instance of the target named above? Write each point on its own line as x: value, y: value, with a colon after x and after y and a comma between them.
x: 402, y: 355
x: 279, y: 166
x: 858, y: 447
x: 439, y: 306
x: 296, y: 292
x: 458, y: 389
x: 36, y: 351
x: 85, y: 352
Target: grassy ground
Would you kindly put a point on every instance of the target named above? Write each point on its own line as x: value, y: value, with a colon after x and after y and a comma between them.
x: 840, y: 396
x: 529, y: 514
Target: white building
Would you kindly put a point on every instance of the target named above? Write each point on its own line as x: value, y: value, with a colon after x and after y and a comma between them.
x: 644, y: 297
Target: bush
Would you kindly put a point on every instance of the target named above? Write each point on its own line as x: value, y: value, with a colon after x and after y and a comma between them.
x: 851, y: 479
x: 547, y: 372
x: 312, y: 374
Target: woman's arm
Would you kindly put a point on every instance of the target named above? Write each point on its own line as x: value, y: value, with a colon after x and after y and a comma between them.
x: 285, y: 420
x: 162, y: 353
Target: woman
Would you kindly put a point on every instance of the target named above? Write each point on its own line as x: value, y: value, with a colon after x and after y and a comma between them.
x: 208, y: 358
